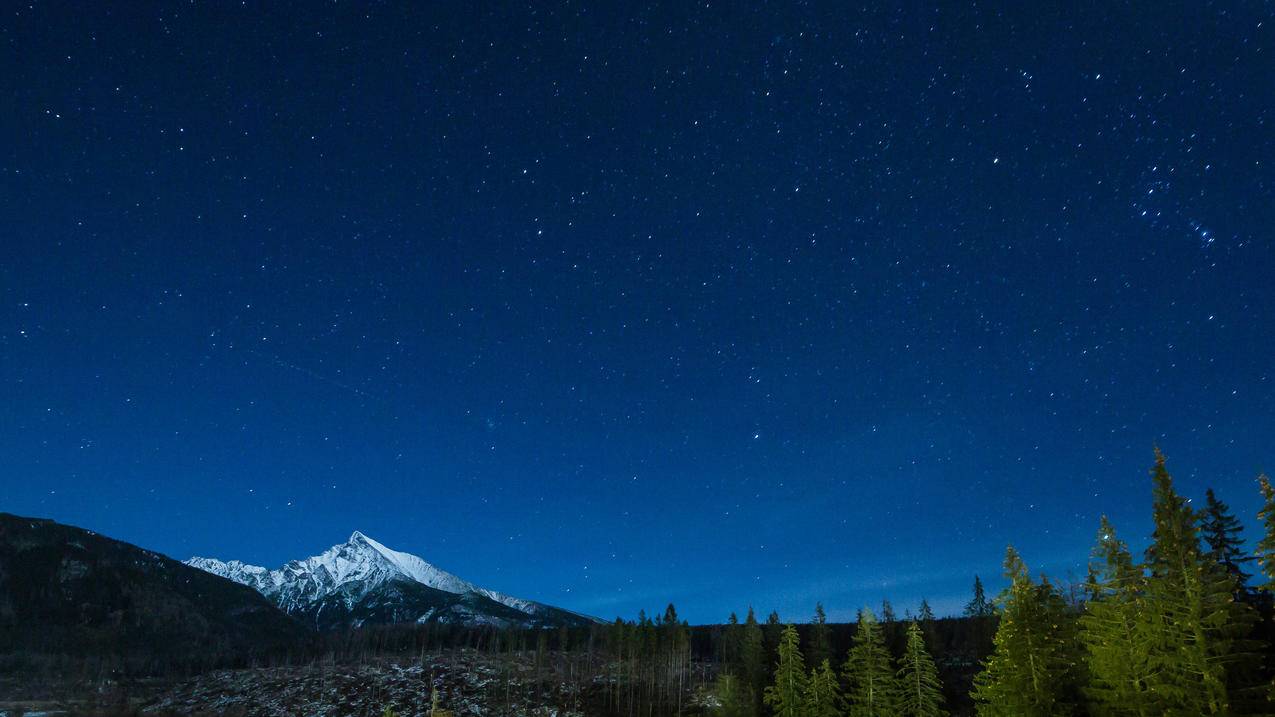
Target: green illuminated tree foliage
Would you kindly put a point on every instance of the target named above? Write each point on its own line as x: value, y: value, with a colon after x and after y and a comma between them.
x: 1195, y: 629
x: 1266, y: 545
x: 1033, y: 669
x: 869, y: 673
x: 823, y: 693
x: 786, y: 696
x: 1117, y: 645
x: 920, y: 692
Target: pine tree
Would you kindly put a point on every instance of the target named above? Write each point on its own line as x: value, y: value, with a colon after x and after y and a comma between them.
x: 823, y: 693
x: 732, y: 644
x: 868, y: 673
x: 1195, y: 625
x: 920, y: 692
x: 1113, y: 632
x: 733, y: 698
x: 1266, y: 545
x: 786, y: 695
x: 1221, y: 532
x: 820, y: 646
x: 887, y: 612
x: 926, y: 613
x: 753, y: 657
x: 979, y: 606
x: 1032, y: 671
x: 925, y: 616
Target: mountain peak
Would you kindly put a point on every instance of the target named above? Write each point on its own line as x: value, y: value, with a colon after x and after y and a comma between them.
x: 350, y: 577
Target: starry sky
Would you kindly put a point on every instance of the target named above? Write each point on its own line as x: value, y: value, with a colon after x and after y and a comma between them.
x: 607, y: 306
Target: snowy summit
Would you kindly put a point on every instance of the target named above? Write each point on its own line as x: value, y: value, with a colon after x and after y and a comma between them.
x: 362, y: 581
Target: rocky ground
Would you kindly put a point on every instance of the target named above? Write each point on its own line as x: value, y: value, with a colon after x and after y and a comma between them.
x: 467, y: 684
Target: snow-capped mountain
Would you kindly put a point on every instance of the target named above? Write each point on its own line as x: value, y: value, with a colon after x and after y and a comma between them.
x: 361, y: 581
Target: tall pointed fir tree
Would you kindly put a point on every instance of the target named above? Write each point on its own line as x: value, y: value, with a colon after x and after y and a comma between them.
x: 1221, y: 531
x: 1113, y: 631
x: 1197, y: 627
x: 1033, y: 669
x: 925, y: 613
x: 823, y: 693
x: 929, y: 626
x: 820, y: 645
x: 868, y: 671
x: 979, y: 605
x: 732, y: 643
x: 772, y: 631
x: 887, y: 612
x: 920, y: 692
x: 1266, y: 544
x: 733, y: 698
x: 753, y: 657
x: 786, y: 695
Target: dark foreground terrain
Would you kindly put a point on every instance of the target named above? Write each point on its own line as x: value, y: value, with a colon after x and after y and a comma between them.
x: 467, y: 682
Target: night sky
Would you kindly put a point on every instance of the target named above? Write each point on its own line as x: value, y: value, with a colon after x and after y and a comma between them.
x: 717, y: 303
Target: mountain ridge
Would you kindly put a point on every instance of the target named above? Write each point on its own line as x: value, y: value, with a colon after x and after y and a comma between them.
x: 363, y: 582
x: 66, y: 590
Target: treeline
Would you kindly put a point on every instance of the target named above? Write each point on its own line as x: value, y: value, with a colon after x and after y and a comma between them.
x: 1178, y: 633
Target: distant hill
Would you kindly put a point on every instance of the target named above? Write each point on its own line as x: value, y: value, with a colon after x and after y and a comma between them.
x: 69, y: 593
x: 362, y: 582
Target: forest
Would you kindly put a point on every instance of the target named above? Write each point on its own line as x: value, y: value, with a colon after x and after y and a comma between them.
x: 1184, y: 630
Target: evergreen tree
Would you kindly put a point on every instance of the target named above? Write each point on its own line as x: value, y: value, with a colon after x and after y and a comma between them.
x: 1032, y: 671
x: 733, y: 698
x: 1195, y: 625
x: 925, y: 616
x: 920, y: 692
x: 1221, y: 532
x: 926, y: 613
x: 979, y: 606
x: 868, y: 673
x: 823, y: 693
x: 753, y: 657
x: 732, y: 644
x: 887, y: 612
x: 1266, y: 545
x: 1114, y: 633
x: 820, y: 646
x: 786, y: 695
x: 772, y: 630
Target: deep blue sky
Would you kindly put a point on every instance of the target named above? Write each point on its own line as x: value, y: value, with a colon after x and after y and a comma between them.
x: 611, y: 307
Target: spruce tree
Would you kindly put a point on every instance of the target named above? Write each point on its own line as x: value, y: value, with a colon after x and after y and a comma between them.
x: 1032, y: 671
x: 820, y: 646
x: 925, y: 616
x: 732, y: 644
x: 869, y: 675
x: 753, y: 657
x: 1195, y: 625
x: 1117, y: 645
x: 979, y: 606
x: 733, y: 697
x: 920, y: 692
x: 887, y: 612
x: 1221, y: 532
x: 926, y: 613
x: 786, y: 695
x: 823, y: 693
x: 1266, y: 545
x: 772, y: 631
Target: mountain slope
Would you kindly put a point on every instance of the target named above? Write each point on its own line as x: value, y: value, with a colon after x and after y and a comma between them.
x: 69, y: 591
x: 363, y: 582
